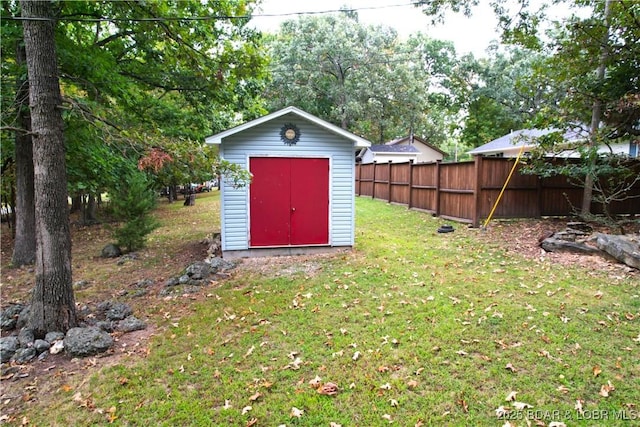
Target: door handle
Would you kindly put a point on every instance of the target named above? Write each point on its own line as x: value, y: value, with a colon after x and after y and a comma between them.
x: 293, y: 209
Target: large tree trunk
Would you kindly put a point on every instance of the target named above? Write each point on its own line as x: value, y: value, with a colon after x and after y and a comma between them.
x: 596, y: 116
x: 24, y: 247
x: 52, y: 303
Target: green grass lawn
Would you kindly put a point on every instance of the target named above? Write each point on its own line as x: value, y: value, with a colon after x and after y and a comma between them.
x: 413, y: 327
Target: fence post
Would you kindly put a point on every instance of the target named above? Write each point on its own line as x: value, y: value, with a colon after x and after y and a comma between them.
x: 477, y: 190
x: 410, y: 183
x: 389, y: 181
x: 358, y: 173
x: 436, y: 207
x: 373, y: 184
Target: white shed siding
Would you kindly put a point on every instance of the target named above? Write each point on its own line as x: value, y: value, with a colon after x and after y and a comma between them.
x: 264, y: 140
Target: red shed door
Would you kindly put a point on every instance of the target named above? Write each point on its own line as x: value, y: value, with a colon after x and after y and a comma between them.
x: 289, y: 201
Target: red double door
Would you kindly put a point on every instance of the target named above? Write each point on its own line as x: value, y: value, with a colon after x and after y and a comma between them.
x: 289, y: 201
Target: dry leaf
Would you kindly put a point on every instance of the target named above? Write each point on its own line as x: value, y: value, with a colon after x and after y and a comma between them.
x: 296, y: 413
x: 227, y: 404
x: 563, y: 389
x: 510, y: 367
x: 252, y: 422
x: 246, y: 409
x: 315, y: 382
x: 511, y: 396
x: 606, y: 389
x: 386, y: 386
x: 255, y: 396
x: 557, y: 424
x: 387, y: 417
x: 328, y: 389
x: 578, y: 407
x: 419, y: 423
x: 356, y: 355
x: 596, y: 371
x: 332, y: 424
x: 394, y: 403
x: 412, y: 383
x: 383, y: 369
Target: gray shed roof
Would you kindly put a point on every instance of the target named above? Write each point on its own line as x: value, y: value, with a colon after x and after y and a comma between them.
x: 523, y: 137
x: 358, y: 142
x: 383, y: 148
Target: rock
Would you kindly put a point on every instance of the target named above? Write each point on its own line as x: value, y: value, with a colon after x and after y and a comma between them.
x: 219, y: 264
x: 131, y: 324
x: 89, y: 341
x: 24, y: 355
x: 198, y: 271
x: 26, y: 337
x: 23, y: 317
x: 623, y: 248
x: 111, y: 251
x: 8, y: 347
x: 80, y: 284
x: 52, y: 337
x: 9, y: 317
x: 41, y: 346
x: 105, y: 325
x: 118, y: 311
x: 172, y: 281
x: 184, y: 279
x: 553, y: 244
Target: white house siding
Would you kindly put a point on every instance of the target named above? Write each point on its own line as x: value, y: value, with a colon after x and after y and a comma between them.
x: 264, y: 140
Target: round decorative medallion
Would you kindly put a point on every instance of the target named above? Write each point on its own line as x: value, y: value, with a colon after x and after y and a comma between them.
x: 290, y: 134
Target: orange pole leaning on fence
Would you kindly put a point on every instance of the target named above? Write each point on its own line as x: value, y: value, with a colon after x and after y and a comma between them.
x: 495, y: 205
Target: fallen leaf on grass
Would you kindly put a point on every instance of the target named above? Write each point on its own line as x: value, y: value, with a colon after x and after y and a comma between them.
x: 315, y: 382
x: 511, y: 397
x: 227, y: 404
x: 578, y: 407
x: 386, y: 386
x: 412, y: 383
x: 394, y: 403
x: 257, y: 395
x: 246, y: 409
x: 387, y: 417
x: 356, y: 355
x: 557, y: 424
x: 296, y: 413
x: 328, y: 389
x: 332, y: 424
x: 251, y: 422
x: 606, y: 389
x: 596, y: 371
x: 510, y: 367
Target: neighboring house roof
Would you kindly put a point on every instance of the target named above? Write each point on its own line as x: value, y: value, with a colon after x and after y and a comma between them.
x: 519, y: 138
x: 415, y: 138
x: 383, y: 148
x: 358, y: 142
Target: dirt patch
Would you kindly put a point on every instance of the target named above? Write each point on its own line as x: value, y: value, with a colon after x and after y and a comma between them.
x: 523, y: 237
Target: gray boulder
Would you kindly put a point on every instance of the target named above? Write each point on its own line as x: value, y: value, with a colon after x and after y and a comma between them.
x: 26, y: 337
x: 89, y: 341
x: 554, y: 244
x: 118, y: 311
x: 131, y: 324
x: 623, y: 248
x: 52, y: 337
x: 111, y: 251
x: 24, y: 355
x: 9, y: 317
x: 8, y: 347
x: 41, y: 346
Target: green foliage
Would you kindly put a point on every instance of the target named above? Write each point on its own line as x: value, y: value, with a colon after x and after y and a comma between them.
x: 363, y: 78
x: 132, y: 202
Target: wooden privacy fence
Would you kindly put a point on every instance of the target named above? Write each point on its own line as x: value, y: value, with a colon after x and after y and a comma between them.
x: 467, y: 191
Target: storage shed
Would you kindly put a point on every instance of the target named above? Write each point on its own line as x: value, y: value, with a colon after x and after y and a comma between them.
x: 301, y: 197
